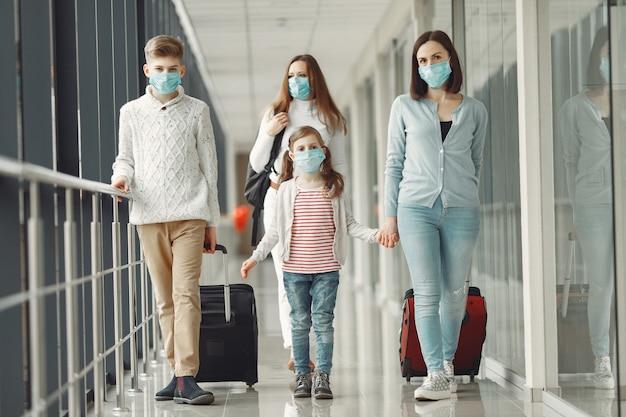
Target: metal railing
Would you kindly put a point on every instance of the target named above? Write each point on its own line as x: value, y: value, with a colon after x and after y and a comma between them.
x: 73, y: 294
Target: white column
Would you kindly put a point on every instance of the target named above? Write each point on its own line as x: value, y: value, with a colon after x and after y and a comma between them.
x: 537, y: 196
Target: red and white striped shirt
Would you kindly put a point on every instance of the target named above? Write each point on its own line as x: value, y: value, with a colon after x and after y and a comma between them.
x: 312, y: 235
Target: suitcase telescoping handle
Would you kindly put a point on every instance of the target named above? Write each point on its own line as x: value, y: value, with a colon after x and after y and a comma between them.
x: 227, y: 311
x: 568, y: 273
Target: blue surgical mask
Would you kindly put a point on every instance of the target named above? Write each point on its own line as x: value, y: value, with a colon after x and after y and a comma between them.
x: 436, y: 75
x: 309, y: 161
x: 605, y: 68
x: 299, y: 88
x: 165, y: 82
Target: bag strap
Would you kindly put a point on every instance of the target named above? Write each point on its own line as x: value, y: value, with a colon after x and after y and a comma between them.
x: 275, y: 148
x: 256, y: 220
x: 274, y: 154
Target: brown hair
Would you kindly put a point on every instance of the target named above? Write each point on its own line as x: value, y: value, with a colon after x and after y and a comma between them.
x: 333, y: 180
x: 327, y: 110
x: 162, y: 46
x: 595, y: 80
x: 418, y: 87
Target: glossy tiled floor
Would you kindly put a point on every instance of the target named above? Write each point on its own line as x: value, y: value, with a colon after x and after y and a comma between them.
x: 362, y: 387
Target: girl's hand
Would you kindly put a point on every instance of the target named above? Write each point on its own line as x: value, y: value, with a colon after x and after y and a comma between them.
x: 247, y: 265
x: 277, y: 123
x: 388, y: 235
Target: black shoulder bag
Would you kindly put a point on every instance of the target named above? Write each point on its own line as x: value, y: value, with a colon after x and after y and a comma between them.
x: 257, y: 184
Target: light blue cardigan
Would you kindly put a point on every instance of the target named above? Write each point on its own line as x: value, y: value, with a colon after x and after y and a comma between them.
x: 280, y: 232
x: 421, y: 166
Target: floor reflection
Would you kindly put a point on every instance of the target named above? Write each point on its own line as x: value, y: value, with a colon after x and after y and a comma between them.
x: 365, y: 378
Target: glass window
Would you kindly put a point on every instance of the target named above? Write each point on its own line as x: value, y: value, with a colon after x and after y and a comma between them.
x: 584, y: 138
x: 491, y: 77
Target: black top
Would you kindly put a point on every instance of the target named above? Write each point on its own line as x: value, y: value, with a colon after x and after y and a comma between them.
x: 445, y: 128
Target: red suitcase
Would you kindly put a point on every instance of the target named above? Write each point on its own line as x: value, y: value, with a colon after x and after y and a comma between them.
x: 469, y: 352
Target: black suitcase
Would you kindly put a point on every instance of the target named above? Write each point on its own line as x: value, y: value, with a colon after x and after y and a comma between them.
x: 228, y: 332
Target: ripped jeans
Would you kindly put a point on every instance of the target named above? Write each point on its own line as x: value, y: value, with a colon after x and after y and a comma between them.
x: 438, y: 244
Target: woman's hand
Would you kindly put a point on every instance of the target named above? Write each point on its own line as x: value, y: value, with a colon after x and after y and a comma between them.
x: 388, y: 235
x: 277, y: 123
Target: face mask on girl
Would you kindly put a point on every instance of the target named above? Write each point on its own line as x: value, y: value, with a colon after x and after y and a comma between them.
x: 165, y: 82
x: 299, y: 88
x: 436, y: 75
x: 309, y: 161
x: 605, y: 68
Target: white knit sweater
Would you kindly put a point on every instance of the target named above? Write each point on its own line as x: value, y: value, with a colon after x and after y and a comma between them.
x: 167, y: 153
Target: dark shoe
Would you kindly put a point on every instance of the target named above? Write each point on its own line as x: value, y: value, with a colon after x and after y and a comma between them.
x: 188, y: 392
x: 303, y: 386
x: 167, y: 393
x: 321, y: 386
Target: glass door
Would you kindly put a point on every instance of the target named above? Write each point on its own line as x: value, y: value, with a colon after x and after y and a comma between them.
x: 588, y: 184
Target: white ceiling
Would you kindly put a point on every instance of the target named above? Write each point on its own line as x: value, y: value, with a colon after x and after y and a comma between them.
x: 247, y: 45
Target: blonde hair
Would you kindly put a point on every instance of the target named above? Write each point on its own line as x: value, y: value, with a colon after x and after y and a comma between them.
x: 164, y: 46
x: 333, y: 180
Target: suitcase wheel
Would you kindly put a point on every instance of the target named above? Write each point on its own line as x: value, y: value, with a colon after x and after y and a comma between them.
x: 406, y: 369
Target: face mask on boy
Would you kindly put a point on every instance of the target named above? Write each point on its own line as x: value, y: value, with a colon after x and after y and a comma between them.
x: 309, y: 161
x: 165, y: 82
x: 299, y: 88
x: 436, y: 75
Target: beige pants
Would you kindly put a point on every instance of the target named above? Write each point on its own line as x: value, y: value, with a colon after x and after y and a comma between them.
x: 173, y: 253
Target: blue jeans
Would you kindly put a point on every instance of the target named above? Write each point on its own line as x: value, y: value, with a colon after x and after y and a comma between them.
x: 438, y: 244
x: 594, y: 226
x: 312, y: 298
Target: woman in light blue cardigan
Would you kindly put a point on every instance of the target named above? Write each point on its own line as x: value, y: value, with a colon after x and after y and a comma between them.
x: 434, y: 157
x: 585, y: 131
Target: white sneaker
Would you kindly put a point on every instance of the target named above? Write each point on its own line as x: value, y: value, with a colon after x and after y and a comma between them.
x: 603, y: 378
x: 448, y: 371
x: 435, y: 387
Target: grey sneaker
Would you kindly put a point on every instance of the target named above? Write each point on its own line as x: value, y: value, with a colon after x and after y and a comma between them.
x: 435, y: 387
x: 321, y: 386
x: 303, y: 386
x: 448, y: 371
x: 603, y: 378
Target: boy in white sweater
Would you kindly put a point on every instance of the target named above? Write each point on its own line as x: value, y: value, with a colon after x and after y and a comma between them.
x: 167, y: 160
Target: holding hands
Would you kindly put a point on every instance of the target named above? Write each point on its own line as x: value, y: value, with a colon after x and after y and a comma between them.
x: 388, y: 235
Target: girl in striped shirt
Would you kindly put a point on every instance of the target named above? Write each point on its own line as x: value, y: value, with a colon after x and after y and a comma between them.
x: 311, y: 229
